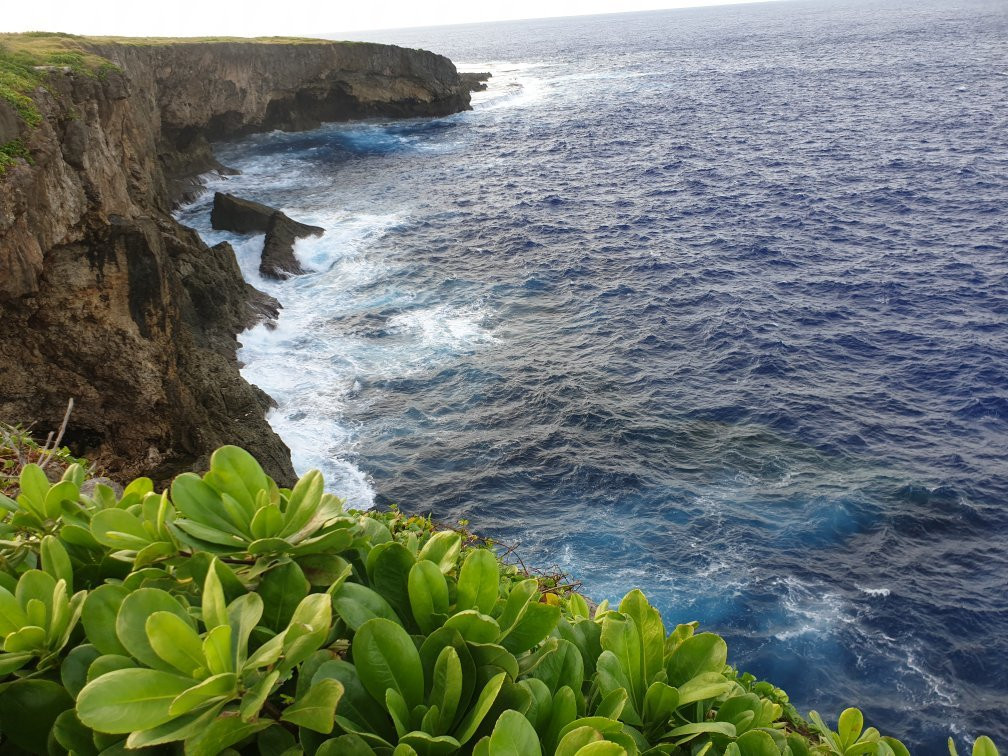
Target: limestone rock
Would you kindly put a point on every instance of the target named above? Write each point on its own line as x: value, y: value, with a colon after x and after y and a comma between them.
x: 104, y: 296
x: 278, y: 260
x: 475, y: 81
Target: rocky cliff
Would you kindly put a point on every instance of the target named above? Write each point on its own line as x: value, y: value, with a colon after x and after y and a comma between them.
x: 104, y: 297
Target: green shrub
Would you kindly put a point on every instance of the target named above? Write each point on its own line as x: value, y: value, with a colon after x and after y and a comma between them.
x: 229, y: 615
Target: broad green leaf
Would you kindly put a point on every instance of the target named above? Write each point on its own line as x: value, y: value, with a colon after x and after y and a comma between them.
x: 57, y: 494
x: 651, y: 633
x: 70, y: 733
x: 704, y: 686
x: 474, y: 626
x: 575, y: 740
x: 602, y: 748
x: 612, y: 705
x: 316, y: 708
x: 899, y: 749
x: 386, y: 658
x: 493, y: 655
x: 429, y: 745
x: 174, y: 729
x: 982, y: 746
x: 37, y: 586
x: 56, y: 561
x: 235, y: 472
x: 217, y: 650
x: 398, y: 710
x: 513, y: 735
x: 357, y: 604
x: 252, y: 702
x: 659, y: 703
x: 129, y: 700
x: 206, y: 534
x: 314, y: 612
x: 332, y: 541
x: 34, y: 486
x: 541, y: 705
x: 277, y: 546
x: 222, y: 686
x: 73, y: 670
x: 446, y: 688
x: 388, y: 568
x: 282, y: 589
x: 621, y: 637
x: 119, y: 529
x: 243, y: 614
x: 323, y: 570
x: 302, y: 503
x: 28, y: 711
x: 214, y: 605
x: 222, y: 733
x: 442, y: 549
x: 428, y: 596
x: 704, y: 652
x: 267, y: 522
x: 200, y: 503
x: 578, y: 606
x: 27, y: 638
x: 518, y: 599
x: 12, y: 616
x: 702, y: 728
x: 345, y: 745
x: 561, y: 666
x: 602, y: 724
x: 131, y: 624
x: 109, y: 663
x: 478, y: 583
x: 474, y: 717
x: 756, y: 743
x: 849, y: 726
x: 174, y: 640
x: 534, y: 624
x: 563, y: 713
x: 357, y: 704
x: 10, y: 663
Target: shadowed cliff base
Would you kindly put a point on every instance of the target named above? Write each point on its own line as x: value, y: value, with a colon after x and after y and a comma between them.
x: 104, y: 297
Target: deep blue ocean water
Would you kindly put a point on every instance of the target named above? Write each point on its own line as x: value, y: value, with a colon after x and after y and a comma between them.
x: 713, y: 302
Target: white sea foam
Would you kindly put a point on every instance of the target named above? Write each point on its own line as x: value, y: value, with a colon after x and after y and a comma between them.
x: 511, y: 85
x: 444, y: 325
x: 874, y: 592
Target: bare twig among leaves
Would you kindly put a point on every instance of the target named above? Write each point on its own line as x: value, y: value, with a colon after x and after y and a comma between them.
x: 48, y: 452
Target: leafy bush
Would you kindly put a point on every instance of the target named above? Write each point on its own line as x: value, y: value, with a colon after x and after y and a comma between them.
x: 229, y: 615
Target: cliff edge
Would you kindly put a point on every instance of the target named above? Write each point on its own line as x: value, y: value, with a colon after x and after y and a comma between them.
x: 104, y: 297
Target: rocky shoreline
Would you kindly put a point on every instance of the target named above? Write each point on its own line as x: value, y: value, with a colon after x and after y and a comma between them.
x: 104, y: 296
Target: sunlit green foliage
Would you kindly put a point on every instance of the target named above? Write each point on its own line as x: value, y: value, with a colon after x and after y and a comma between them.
x: 229, y: 615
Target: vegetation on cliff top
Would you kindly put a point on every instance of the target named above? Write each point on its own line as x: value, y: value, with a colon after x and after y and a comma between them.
x: 27, y: 58
x: 228, y: 615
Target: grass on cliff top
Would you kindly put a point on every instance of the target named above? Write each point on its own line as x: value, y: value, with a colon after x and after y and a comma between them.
x: 26, y: 57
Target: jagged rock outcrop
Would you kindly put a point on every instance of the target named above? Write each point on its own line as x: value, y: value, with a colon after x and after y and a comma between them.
x: 104, y: 297
x: 278, y: 260
x: 475, y: 81
x: 231, y: 213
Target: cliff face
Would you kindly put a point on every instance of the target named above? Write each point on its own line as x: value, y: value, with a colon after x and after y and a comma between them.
x: 104, y: 297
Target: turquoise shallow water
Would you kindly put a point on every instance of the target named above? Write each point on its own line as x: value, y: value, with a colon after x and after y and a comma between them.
x: 711, y: 302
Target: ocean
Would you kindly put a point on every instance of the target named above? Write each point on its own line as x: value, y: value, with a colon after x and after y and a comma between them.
x: 713, y: 302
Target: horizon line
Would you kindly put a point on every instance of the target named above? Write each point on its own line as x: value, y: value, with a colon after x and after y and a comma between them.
x: 691, y: 6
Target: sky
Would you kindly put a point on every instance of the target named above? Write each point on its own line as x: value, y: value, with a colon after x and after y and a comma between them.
x: 291, y: 17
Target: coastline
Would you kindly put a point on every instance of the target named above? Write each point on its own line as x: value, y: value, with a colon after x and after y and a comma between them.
x: 137, y: 317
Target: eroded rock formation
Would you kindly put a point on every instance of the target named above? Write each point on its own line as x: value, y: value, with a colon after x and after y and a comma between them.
x: 104, y: 297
